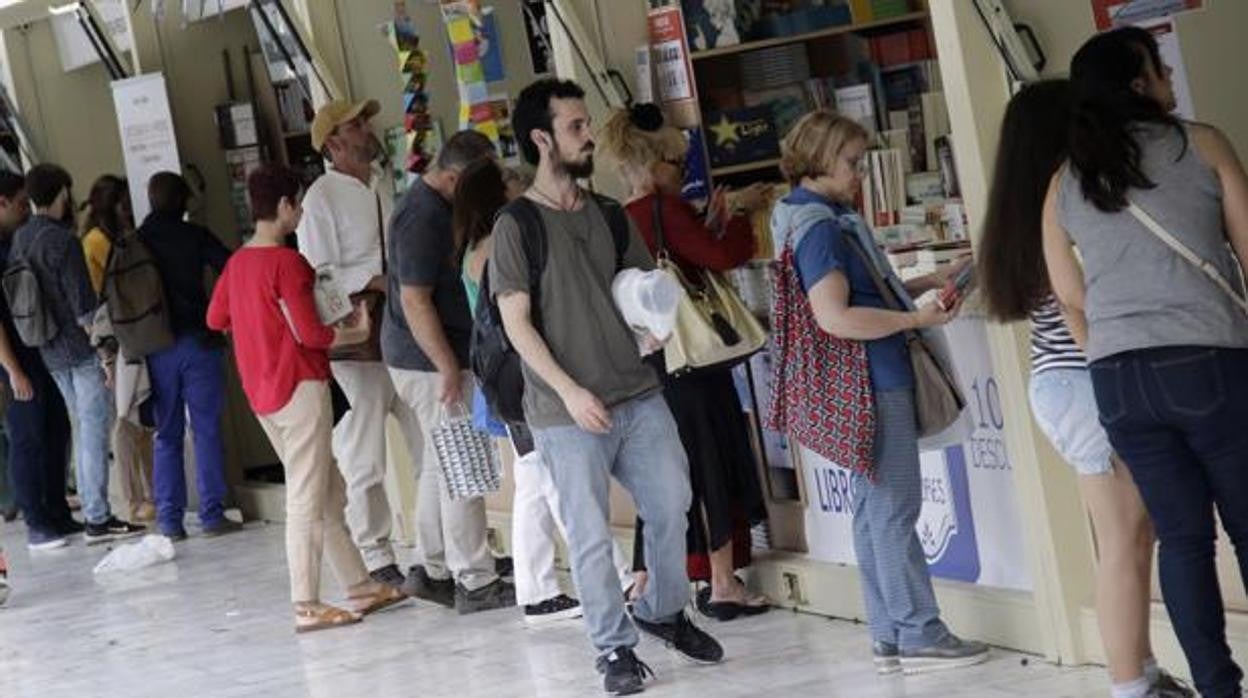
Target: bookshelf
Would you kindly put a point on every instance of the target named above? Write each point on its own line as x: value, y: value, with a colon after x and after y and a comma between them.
x: 810, y: 36
x: 745, y: 167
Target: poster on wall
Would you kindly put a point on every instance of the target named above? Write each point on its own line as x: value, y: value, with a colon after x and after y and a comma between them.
x: 148, y: 142
x: 673, y: 69
x: 969, y: 524
x: 537, y: 34
x: 1113, y: 13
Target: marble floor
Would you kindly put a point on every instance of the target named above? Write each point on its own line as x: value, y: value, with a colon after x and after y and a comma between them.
x: 214, y: 622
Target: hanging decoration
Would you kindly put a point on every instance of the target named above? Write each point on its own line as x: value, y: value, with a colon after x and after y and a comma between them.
x: 465, y: 24
x: 413, y: 65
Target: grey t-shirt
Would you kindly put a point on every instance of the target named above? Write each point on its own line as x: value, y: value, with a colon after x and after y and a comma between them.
x: 420, y: 251
x: 580, y: 322
x: 57, y: 258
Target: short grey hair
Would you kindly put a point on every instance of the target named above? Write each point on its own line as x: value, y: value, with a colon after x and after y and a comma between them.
x: 463, y: 149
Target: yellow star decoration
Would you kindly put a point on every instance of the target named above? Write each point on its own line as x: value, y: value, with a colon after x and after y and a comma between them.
x: 725, y: 132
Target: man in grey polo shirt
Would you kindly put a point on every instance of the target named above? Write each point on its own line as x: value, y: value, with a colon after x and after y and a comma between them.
x: 595, y: 409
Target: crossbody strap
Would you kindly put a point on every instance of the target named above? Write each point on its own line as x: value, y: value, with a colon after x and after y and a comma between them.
x: 1186, y: 253
x: 886, y: 291
x: 381, y: 233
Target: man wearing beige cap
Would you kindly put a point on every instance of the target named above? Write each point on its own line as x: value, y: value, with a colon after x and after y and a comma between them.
x: 344, y: 226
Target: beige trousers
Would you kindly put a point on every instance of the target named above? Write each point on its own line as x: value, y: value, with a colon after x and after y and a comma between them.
x: 132, y: 457
x: 315, y: 494
x: 451, y: 533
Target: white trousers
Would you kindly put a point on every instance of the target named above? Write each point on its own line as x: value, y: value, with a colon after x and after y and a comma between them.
x: 451, y: 533
x: 359, y: 445
x: 534, y: 523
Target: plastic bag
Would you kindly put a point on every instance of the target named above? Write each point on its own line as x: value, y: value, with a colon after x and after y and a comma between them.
x: 152, y: 550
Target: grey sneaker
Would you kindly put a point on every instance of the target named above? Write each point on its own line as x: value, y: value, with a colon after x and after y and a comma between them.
x: 951, y: 652
x: 388, y: 575
x: 497, y: 594
x: 1169, y: 687
x: 887, y: 657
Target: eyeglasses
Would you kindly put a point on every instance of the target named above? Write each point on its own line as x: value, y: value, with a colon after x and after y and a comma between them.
x: 859, y: 166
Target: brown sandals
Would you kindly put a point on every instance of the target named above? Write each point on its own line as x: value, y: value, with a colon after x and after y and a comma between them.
x: 319, y: 616
x: 383, y: 596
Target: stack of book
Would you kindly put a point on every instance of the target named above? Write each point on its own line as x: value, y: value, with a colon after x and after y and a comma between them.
x: 884, y: 187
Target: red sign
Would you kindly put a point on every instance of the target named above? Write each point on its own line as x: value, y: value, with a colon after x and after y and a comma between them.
x: 1115, y: 13
x: 670, y: 53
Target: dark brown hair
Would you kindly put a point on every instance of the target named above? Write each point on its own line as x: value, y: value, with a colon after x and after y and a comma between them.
x: 1011, y: 250
x: 479, y: 195
x: 106, y: 194
x: 267, y: 186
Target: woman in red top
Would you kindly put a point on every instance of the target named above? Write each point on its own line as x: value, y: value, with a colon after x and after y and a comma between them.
x: 727, y: 495
x: 264, y: 299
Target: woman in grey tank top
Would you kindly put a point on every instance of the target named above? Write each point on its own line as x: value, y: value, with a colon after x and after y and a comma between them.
x: 1168, y: 349
x: 1015, y: 286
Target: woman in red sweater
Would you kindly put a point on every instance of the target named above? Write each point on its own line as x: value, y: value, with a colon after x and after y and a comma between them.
x: 727, y: 495
x: 264, y: 299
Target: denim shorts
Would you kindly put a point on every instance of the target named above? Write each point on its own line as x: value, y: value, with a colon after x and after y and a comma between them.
x: 1064, y: 405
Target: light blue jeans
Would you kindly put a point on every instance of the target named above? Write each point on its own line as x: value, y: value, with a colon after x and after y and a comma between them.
x: 92, y: 406
x: 896, y: 584
x: 644, y: 453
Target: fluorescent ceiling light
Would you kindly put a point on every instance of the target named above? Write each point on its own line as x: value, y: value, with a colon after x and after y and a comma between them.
x: 67, y: 9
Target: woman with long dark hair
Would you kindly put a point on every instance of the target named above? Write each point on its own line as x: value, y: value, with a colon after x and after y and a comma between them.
x: 1016, y: 286
x: 1144, y: 195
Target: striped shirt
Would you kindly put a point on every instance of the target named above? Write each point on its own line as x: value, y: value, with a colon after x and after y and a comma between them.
x: 1052, y: 344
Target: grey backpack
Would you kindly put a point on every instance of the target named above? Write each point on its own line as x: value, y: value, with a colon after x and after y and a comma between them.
x: 31, y: 314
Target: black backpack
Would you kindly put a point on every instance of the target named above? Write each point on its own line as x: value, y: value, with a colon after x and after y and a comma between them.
x: 494, y: 361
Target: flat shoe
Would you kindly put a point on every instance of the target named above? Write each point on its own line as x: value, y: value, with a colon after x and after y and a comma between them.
x: 322, y: 617
x: 385, y: 597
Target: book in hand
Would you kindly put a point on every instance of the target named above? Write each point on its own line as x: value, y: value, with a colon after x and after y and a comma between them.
x: 333, y: 304
x: 956, y: 288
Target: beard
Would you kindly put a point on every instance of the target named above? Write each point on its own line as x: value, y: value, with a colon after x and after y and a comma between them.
x: 575, y: 169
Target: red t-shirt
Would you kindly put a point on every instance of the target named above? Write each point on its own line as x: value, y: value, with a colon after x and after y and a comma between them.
x: 686, y: 237
x: 264, y: 299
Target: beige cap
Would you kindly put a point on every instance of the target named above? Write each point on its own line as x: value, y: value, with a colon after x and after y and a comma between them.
x: 334, y: 114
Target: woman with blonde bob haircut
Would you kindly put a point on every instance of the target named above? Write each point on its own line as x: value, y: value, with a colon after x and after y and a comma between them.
x: 843, y: 386
x: 727, y: 494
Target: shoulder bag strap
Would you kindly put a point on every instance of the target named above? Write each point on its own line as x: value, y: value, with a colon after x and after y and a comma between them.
x: 1186, y: 253
x: 656, y: 220
x: 381, y: 232
x: 890, y: 299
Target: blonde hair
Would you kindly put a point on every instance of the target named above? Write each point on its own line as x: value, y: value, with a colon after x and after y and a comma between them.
x: 811, y: 147
x: 636, y: 149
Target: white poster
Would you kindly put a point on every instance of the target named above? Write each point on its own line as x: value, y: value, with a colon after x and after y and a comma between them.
x: 969, y: 525
x: 72, y: 42
x: 148, y: 141
x: 1172, y: 55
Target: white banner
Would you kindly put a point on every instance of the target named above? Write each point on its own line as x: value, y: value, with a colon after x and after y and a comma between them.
x: 148, y: 141
x: 969, y: 524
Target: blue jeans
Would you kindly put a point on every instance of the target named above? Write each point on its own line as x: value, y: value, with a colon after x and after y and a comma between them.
x: 896, y: 584
x: 92, y: 404
x: 188, y: 377
x: 8, y: 496
x: 644, y: 453
x: 38, y: 432
x: 1178, y: 417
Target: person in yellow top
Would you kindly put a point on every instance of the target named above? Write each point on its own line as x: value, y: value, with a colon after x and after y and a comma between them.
x: 109, y: 217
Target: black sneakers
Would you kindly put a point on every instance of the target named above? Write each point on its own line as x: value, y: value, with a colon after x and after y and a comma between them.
x: 420, y: 585
x: 112, y: 529
x: 561, y: 607
x: 496, y: 594
x: 388, y: 575
x: 222, y: 528
x: 684, y: 637
x: 623, y: 673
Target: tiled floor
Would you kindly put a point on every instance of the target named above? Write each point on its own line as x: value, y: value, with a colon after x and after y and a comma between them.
x: 214, y: 622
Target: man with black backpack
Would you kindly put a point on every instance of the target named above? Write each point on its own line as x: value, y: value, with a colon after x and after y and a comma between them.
x: 596, y: 410
x: 188, y: 374
x: 53, y: 304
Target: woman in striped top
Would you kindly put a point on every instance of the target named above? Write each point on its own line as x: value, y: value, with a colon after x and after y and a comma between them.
x: 1016, y: 286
